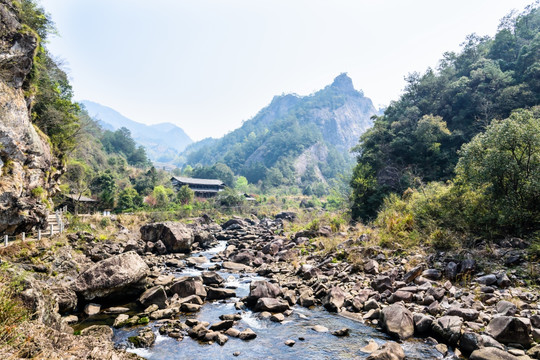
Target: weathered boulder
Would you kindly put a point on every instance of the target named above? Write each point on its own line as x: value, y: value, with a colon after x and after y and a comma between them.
x: 413, y: 274
x: 103, y: 332
x: 448, y: 328
x: 397, y: 321
x: 154, y: 295
x: 509, y: 329
x: 144, y: 339
x: 262, y: 289
x: 176, y: 237
x: 382, y: 283
x: 465, y: 314
x: 506, y: 308
x: 271, y: 305
x: 66, y: 298
x: 491, y: 354
x: 334, y: 300
x: 389, y: 351
x: 121, y: 275
x: 187, y: 286
x: 212, y: 278
x: 214, y: 293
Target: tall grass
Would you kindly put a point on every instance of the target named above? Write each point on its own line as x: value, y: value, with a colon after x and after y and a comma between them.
x: 12, y: 310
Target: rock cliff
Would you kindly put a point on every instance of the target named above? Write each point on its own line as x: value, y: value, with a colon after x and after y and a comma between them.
x: 27, y: 167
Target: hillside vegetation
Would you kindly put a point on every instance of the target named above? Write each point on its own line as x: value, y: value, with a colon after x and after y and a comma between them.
x: 459, y: 152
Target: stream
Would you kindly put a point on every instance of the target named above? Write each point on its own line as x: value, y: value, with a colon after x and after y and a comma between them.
x: 271, y: 336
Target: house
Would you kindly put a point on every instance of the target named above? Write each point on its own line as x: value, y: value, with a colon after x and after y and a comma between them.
x: 79, y: 203
x: 203, y: 188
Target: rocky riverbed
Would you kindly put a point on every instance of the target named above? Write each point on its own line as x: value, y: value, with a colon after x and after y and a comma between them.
x: 245, y: 289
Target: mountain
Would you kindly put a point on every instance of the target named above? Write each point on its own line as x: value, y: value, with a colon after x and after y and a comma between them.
x: 163, y: 142
x: 296, y: 140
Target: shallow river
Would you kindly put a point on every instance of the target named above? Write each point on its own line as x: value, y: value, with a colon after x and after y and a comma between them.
x: 271, y: 336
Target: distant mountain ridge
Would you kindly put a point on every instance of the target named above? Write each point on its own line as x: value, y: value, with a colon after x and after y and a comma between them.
x: 163, y: 142
x: 295, y: 139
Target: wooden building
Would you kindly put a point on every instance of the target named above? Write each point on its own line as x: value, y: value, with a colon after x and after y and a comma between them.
x: 203, y: 188
x: 79, y: 204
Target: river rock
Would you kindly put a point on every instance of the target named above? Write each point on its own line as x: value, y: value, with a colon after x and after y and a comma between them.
x: 262, y: 289
x: 212, y: 278
x: 272, y: 305
x: 222, y: 325
x: 290, y: 342
x: 120, y: 320
x: 144, y: 339
x: 219, y: 293
x: 247, y: 334
x: 491, y: 354
x: 397, y: 321
x: 448, y: 328
x: 176, y: 237
x: 389, y: 351
x: 154, y: 295
x: 92, y: 309
x: 465, y: 314
x: 341, y: 332
x: 99, y: 331
x: 319, y: 328
x: 413, y: 274
x: 422, y: 323
x: 334, y: 300
x: 382, y: 283
x: 66, y: 299
x: 187, y: 286
x: 229, y: 265
x: 506, y: 308
x: 120, y: 275
x: 509, y: 329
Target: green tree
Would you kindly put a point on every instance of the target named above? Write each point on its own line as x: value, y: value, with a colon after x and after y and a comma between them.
x: 129, y: 199
x: 505, y: 162
x: 104, y: 184
x: 241, y: 184
x: 185, y: 195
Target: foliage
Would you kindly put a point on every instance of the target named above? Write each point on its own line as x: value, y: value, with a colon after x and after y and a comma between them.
x: 505, y: 162
x: 129, y: 199
x: 12, y: 310
x: 217, y: 171
x: 121, y: 142
x: 185, y: 195
x: 417, y: 139
x: 230, y: 198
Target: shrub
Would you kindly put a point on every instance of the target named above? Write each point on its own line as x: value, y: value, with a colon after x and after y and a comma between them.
x: 12, y: 310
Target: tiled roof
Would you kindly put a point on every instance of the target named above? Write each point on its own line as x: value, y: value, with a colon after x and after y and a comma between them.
x: 195, y: 181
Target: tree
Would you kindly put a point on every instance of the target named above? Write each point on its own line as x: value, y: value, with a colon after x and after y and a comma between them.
x: 505, y: 162
x: 129, y: 199
x: 162, y: 196
x: 241, y: 184
x: 104, y: 184
x: 78, y: 176
x: 185, y: 195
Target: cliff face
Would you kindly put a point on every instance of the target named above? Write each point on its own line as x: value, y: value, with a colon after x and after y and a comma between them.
x: 27, y: 167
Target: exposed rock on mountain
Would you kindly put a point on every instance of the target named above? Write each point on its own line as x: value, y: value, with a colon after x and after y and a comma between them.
x: 28, y: 169
x: 295, y: 139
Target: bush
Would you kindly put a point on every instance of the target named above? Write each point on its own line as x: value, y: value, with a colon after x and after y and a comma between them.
x: 12, y: 310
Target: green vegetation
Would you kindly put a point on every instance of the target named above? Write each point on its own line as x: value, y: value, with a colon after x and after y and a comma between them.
x: 417, y: 139
x: 12, y: 310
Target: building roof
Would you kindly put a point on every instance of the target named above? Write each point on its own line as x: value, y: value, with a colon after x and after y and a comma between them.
x: 79, y: 198
x: 195, y: 181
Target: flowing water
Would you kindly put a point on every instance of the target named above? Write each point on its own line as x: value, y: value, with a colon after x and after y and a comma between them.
x: 271, y: 336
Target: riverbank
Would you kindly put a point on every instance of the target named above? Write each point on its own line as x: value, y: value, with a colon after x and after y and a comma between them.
x: 443, y: 298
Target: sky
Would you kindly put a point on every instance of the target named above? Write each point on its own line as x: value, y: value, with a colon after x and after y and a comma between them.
x: 209, y: 65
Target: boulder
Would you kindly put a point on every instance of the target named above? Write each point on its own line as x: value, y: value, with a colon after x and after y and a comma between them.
x: 334, y: 300
x: 188, y: 286
x: 465, y: 314
x: 397, y: 321
x: 212, y: 278
x: 247, y: 334
x: 389, y: 351
x: 382, y: 283
x: 506, y: 308
x: 371, y: 267
x: 154, y: 295
x: 144, y: 339
x: 413, y: 274
x: 121, y: 275
x: 509, y: 329
x: 219, y: 293
x: 272, y: 305
x: 422, y: 323
x: 262, y: 289
x: 99, y: 331
x: 176, y: 236
x: 448, y: 328
x: 491, y: 354
x: 66, y: 299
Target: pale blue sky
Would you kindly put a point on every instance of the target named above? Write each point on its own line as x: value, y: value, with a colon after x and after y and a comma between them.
x: 207, y: 65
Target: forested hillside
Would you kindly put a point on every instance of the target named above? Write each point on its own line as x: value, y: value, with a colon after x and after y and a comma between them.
x: 457, y: 157
x: 418, y: 137
x: 162, y: 142
x: 294, y: 141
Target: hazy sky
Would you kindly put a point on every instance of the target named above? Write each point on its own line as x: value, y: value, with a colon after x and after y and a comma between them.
x: 207, y: 65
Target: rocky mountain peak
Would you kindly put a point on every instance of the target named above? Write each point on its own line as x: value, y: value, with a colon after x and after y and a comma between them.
x: 343, y: 83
